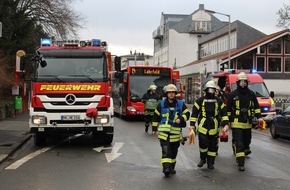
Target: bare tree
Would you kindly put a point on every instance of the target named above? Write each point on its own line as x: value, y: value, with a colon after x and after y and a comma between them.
x: 284, y: 16
x: 56, y: 17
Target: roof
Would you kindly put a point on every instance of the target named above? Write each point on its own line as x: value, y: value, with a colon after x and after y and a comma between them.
x: 245, y: 49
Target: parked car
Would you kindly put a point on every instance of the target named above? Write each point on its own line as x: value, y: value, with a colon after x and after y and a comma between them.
x: 280, y: 124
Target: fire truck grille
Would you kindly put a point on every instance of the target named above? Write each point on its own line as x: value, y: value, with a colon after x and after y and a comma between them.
x: 64, y: 103
x: 65, y: 110
x: 63, y: 95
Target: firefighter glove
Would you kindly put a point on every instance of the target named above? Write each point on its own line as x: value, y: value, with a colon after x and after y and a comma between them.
x: 226, y: 128
x: 191, y: 136
x: 262, y: 124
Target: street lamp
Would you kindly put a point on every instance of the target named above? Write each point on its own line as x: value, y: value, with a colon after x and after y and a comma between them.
x: 229, y: 34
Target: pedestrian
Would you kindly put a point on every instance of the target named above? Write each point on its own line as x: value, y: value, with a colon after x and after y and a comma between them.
x: 206, y: 112
x: 243, y: 108
x: 150, y: 100
x: 169, y: 117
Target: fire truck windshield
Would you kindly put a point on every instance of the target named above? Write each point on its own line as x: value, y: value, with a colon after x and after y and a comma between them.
x: 70, y: 69
x: 140, y: 84
x: 259, y: 89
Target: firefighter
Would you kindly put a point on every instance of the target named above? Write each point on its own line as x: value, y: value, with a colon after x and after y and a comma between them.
x: 243, y: 109
x: 210, y: 113
x: 169, y: 117
x: 150, y: 99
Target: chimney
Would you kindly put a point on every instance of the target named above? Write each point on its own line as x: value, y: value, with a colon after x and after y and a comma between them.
x: 201, y: 6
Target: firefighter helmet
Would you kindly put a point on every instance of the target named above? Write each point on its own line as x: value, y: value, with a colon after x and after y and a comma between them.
x: 164, y: 89
x: 242, y: 76
x: 210, y: 84
x: 152, y: 87
x: 171, y: 88
x: 218, y: 88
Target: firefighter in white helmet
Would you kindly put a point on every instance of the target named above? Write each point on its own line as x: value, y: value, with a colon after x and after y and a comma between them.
x: 243, y: 109
x: 150, y: 99
x: 169, y: 117
x: 209, y: 112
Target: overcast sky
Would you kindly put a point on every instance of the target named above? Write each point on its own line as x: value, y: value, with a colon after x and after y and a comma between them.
x: 128, y: 24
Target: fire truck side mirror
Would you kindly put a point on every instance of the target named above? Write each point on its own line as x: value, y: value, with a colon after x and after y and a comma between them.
x: 272, y: 94
x: 118, y: 75
x: 43, y: 63
x: 117, y: 62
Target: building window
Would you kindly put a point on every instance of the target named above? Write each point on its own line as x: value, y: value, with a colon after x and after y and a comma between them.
x: 261, y: 64
x: 245, y: 61
x: 287, y: 45
x: 274, y: 64
x: 275, y: 47
x: 287, y: 64
x: 263, y: 49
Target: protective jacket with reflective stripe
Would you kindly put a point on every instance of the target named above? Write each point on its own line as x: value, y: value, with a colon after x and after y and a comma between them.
x: 208, y: 113
x: 164, y: 118
x: 242, y: 106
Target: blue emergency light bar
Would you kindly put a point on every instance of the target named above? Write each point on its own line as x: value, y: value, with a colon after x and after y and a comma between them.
x: 45, y: 42
x: 265, y: 109
x: 93, y: 42
x: 253, y: 71
x: 96, y: 42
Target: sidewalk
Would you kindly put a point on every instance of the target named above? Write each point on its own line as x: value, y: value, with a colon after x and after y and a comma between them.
x: 13, y: 133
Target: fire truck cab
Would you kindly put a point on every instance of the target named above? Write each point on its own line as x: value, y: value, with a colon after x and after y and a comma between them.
x: 70, y: 90
x: 227, y: 82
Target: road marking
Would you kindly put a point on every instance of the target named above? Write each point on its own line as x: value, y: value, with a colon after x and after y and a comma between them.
x: 114, y: 153
x: 3, y: 156
x: 100, y: 148
x: 18, y: 163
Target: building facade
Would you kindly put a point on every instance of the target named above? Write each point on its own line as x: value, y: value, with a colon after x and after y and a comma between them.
x: 199, y: 44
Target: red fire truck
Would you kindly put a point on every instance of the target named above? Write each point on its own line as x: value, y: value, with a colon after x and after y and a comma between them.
x: 227, y: 81
x: 69, y: 94
x: 130, y: 84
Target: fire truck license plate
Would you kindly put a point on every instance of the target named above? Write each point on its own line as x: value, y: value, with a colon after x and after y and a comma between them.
x: 70, y: 117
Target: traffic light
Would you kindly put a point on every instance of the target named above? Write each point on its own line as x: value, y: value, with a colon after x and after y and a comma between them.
x: 22, y: 63
x: 117, y: 62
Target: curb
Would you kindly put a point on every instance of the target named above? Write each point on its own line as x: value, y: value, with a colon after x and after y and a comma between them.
x: 16, y: 146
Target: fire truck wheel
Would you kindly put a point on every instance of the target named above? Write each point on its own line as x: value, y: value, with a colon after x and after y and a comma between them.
x: 101, y: 138
x: 39, y: 139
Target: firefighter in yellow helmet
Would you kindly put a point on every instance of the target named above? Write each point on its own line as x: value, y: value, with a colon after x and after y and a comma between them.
x: 243, y: 109
x: 169, y: 117
x: 150, y: 99
x: 209, y: 112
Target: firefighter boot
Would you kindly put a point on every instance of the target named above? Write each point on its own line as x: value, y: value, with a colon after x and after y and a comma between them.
x: 201, y: 163
x: 172, y: 170
x: 241, y: 168
x: 166, y: 171
x: 247, y: 152
x: 146, y: 128
x: 241, y: 163
x: 210, y: 162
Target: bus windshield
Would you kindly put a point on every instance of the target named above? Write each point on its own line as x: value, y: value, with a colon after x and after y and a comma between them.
x: 72, y: 69
x: 258, y: 88
x: 140, y: 84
